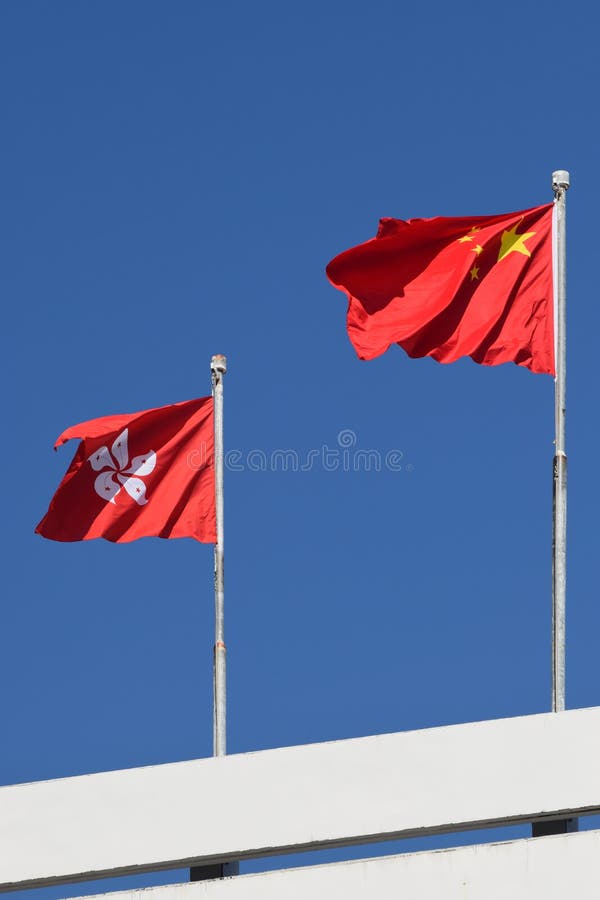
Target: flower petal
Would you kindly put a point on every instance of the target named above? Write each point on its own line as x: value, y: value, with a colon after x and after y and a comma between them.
x: 142, y: 465
x: 101, y: 459
x: 120, y: 450
x: 106, y: 487
x: 135, y: 487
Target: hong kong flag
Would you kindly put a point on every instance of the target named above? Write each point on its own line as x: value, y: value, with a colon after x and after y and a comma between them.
x: 148, y: 474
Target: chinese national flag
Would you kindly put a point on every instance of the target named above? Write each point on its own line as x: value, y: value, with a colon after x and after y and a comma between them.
x: 149, y: 474
x: 452, y: 287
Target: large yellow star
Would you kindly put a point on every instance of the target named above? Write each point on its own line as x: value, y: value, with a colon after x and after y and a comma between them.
x: 514, y: 243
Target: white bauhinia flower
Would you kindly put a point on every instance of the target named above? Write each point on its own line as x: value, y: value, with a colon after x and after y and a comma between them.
x: 128, y: 475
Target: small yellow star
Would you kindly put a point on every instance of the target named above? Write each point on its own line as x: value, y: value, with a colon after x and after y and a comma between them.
x: 474, y: 273
x: 477, y: 249
x: 514, y: 243
x: 468, y: 237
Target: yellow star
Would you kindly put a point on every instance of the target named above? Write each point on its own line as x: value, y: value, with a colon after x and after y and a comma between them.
x: 514, y: 243
x: 477, y: 249
x: 468, y: 237
x: 474, y: 273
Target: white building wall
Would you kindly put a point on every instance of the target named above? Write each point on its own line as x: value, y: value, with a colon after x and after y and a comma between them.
x: 563, y: 867
x: 255, y: 804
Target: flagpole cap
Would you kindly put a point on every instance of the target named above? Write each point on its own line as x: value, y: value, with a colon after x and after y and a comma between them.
x: 218, y: 363
x: 560, y: 180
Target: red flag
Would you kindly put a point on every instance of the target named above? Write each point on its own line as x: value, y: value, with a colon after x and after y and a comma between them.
x: 452, y: 287
x: 149, y: 474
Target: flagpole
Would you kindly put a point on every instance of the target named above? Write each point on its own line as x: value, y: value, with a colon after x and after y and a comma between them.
x: 218, y: 367
x: 560, y: 185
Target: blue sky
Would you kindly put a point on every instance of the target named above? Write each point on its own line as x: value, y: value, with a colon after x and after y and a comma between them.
x: 177, y: 176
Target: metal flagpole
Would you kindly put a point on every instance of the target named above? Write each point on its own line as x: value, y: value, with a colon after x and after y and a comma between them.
x: 218, y: 367
x: 560, y: 185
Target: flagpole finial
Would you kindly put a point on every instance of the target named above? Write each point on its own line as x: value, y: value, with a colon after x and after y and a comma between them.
x: 218, y: 363
x: 560, y: 180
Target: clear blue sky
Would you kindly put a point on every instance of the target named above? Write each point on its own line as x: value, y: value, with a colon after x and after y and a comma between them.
x: 176, y: 177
